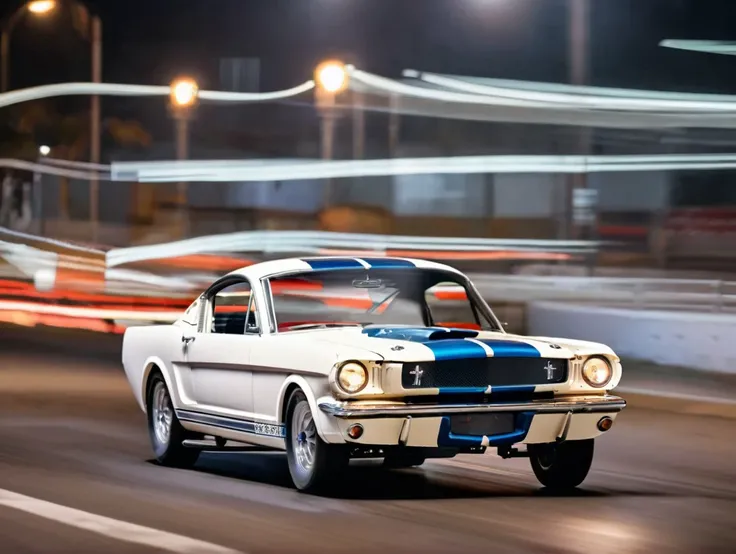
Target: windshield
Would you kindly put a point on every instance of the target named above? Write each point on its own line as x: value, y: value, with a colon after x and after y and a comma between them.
x: 415, y: 297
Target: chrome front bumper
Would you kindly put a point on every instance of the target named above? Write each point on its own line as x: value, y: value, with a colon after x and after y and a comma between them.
x: 574, y: 405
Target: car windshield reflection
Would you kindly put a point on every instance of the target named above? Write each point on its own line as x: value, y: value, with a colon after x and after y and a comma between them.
x: 411, y: 297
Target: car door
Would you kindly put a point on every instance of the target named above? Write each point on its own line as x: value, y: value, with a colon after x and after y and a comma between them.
x: 217, y: 356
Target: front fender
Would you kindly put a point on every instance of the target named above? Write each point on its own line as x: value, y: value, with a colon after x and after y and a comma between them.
x: 326, y: 425
x: 169, y: 379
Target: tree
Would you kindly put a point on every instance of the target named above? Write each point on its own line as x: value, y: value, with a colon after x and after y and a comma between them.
x: 32, y: 124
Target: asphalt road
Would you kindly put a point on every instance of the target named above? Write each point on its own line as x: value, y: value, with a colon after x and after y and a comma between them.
x: 73, y: 447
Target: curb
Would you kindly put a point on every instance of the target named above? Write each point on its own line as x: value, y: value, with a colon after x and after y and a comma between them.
x: 679, y: 403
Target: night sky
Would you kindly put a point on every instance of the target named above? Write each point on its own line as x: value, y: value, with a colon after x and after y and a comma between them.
x: 152, y: 41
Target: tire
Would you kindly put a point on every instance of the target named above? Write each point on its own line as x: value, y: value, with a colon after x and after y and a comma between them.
x: 314, y: 465
x: 167, y: 445
x: 564, y: 466
x: 399, y: 461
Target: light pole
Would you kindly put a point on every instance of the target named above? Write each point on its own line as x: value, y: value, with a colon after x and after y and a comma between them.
x: 331, y: 78
x: 35, y: 8
x: 182, y: 102
x: 91, y: 28
x: 580, y: 213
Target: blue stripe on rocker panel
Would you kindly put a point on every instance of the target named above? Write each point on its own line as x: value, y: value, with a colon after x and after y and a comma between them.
x: 511, y: 349
x: 388, y: 263
x: 333, y: 263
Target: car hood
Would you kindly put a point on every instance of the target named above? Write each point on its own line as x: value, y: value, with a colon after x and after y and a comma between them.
x: 414, y: 344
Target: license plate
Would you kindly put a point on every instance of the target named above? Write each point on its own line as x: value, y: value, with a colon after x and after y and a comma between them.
x: 482, y: 424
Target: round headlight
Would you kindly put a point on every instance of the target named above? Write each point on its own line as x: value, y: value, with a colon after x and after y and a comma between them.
x: 352, y: 377
x: 597, y: 372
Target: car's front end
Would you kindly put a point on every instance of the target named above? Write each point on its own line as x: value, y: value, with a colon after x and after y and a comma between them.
x: 423, y: 368
x: 481, y: 390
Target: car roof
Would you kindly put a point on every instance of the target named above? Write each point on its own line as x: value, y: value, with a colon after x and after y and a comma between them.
x: 336, y: 263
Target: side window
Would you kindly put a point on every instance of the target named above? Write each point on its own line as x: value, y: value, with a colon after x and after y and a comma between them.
x: 233, y: 311
x: 449, y: 306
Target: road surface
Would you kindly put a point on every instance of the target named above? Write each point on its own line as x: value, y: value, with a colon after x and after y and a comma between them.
x: 76, y: 477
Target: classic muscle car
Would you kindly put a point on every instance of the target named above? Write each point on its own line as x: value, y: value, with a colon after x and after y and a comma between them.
x: 338, y: 358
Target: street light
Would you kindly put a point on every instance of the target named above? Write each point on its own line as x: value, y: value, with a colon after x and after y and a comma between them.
x: 183, y: 97
x: 37, y: 8
x: 331, y: 77
x: 184, y: 93
x: 44, y: 150
x: 41, y: 6
x: 90, y: 26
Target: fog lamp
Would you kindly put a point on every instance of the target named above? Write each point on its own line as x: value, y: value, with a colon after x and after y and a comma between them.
x: 605, y: 423
x: 355, y: 431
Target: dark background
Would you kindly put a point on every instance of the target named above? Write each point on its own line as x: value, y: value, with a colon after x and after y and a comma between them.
x: 151, y: 41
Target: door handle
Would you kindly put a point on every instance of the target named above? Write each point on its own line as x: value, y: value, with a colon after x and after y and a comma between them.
x: 187, y: 340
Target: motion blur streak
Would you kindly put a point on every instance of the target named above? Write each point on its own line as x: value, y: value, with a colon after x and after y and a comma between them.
x: 444, y: 255
x: 112, y: 89
x: 149, y: 315
x: 314, y: 242
x: 250, y: 171
x: 33, y: 319
x: 265, y: 170
x: 578, y: 100
x: 578, y: 89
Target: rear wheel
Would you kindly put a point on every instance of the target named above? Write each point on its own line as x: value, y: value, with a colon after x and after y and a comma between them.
x: 314, y: 465
x: 561, y: 466
x: 166, y: 432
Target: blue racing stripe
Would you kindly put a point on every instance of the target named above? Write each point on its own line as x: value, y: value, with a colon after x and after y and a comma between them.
x: 333, y: 263
x: 455, y: 349
x: 511, y: 349
x: 388, y: 263
x: 462, y: 390
x: 233, y: 424
x: 521, y: 389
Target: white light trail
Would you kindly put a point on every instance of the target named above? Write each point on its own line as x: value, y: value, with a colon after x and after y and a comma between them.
x: 578, y: 100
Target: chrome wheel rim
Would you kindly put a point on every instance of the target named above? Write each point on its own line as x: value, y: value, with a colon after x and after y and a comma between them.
x: 162, y: 415
x: 303, y: 436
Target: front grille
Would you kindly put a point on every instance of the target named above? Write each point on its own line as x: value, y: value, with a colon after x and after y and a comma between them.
x: 482, y: 372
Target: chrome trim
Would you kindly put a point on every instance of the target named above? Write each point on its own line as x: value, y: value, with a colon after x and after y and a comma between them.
x: 585, y: 404
x: 565, y: 429
x: 405, y: 430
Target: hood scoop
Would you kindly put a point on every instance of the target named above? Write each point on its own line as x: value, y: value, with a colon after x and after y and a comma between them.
x: 418, y: 334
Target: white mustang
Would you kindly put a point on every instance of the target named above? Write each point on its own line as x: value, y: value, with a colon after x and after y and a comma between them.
x: 339, y: 358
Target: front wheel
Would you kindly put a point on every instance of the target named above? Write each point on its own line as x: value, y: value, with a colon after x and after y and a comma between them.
x: 167, y: 434
x: 313, y: 463
x: 563, y: 466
